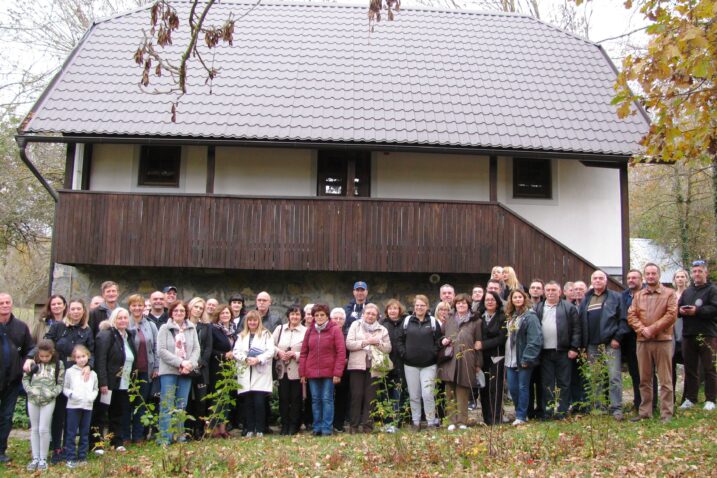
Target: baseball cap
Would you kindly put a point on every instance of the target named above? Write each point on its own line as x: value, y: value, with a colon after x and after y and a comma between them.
x: 360, y: 285
x: 168, y: 288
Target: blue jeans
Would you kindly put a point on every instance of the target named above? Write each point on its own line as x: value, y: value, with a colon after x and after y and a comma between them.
x: 322, y: 404
x: 519, y: 385
x: 614, y: 364
x: 173, y: 395
x: 77, y: 422
x: 8, y: 399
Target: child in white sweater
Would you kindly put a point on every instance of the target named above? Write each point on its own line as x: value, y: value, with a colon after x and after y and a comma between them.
x: 81, y: 394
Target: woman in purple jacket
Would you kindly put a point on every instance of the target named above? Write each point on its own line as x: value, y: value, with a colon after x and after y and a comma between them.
x: 321, y: 363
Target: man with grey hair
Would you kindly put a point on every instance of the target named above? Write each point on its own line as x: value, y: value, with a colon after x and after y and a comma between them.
x: 447, y: 293
x: 603, y: 326
x: 579, y: 290
x: 15, y: 345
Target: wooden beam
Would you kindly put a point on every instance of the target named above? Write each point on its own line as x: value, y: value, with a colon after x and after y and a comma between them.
x: 493, y: 178
x: 86, y: 167
x: 211, y: 168
x: 69, y: 165
x: 625, y: 223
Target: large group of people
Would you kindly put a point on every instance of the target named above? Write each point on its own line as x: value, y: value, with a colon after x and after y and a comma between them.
x: 100, y: 367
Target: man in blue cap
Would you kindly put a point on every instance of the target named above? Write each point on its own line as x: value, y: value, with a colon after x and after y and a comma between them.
x: 354, y: 309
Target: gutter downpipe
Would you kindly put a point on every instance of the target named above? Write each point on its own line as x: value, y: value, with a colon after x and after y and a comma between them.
x: 22, y: 143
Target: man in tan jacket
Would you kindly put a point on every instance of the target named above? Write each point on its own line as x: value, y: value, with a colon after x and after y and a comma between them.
x: 652, y: 314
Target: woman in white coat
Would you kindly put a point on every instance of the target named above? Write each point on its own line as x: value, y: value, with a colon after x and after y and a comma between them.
x: 254, y: 351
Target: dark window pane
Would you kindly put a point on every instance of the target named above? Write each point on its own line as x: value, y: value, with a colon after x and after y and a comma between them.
x: 159, y: 166
x: 336, y: 167
x: 532, y: 178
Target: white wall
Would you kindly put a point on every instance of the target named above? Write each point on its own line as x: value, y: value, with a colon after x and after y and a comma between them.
x: 265, y: 172
x: 430, y: 176
x: 584, y: 213
x: 111, y: 167
x: 115, y: 168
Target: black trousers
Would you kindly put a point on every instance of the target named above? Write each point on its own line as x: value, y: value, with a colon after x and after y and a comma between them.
x: 290, y: 404
x: 491, y: 396
x: 117, y: 411
x: 197, y: 408
x: 363, y: 393
x: 57, y: 428
x: 535, y: 403
x: 342, y: 400
x: 555, y: 373
x: 254, y: 411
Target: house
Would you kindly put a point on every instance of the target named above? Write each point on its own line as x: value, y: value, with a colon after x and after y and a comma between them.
x: 441, y: 144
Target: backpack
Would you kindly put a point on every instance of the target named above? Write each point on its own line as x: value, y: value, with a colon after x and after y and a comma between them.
x: 408, y: 318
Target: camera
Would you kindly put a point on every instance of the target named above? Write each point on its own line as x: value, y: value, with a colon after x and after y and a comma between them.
x: 33, y: 370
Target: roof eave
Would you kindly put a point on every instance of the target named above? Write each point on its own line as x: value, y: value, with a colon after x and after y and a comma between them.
x: 388, y: 147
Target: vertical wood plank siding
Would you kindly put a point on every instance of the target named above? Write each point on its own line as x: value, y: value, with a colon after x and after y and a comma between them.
x: 225, y: 232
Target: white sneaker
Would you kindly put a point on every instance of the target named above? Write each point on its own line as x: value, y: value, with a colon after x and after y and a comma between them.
x: 99, y: 452
x: 249, y: 434
x: 462, y: 427
x: 687, y: 405
x: 32, y: 466
x: 120, y: 449
x: 451, y: 427
x: 259, y: 434
x: 709, y: 406
x: 390, y: 429
x: 518, y: 422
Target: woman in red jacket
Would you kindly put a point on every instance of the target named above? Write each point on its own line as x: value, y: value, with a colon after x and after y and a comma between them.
x: 321, y: 363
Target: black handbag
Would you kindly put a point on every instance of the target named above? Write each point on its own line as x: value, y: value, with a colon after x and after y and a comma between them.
x: 445, y: 354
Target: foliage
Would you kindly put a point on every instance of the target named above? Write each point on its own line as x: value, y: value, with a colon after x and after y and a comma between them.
x: 677, y: 79
x: 685, y: 447
x: 672, y: 205
x: 595, y: 374
x: 19, y: 416
x: 224, y: 395
x: 26, y: 211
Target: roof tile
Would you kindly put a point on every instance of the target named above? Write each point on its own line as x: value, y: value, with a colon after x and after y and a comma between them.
x: 313, y: 72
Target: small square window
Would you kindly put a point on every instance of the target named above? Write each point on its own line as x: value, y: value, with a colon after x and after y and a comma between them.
x: 159, y: 166
x: 532, y: 178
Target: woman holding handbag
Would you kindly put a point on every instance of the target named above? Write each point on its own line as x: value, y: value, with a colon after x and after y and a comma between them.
x: 287, y: 342
x: 364, y: 338
x: 458, y: 370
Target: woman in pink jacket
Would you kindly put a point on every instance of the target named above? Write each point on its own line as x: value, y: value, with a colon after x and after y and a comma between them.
x: 321, y: 363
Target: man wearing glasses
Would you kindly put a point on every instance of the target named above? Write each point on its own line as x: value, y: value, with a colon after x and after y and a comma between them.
x: 698, y: 309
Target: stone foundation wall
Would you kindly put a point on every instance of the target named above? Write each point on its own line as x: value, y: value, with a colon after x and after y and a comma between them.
x: 285, y: 287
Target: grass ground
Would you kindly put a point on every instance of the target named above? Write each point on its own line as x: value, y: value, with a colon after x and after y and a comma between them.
x: 582, y: 446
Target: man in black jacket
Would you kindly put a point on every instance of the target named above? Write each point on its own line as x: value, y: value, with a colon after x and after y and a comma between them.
x: 603, y: 324
x: 698, y: 309
x: 15, y: 344
x: 561, y: 341
x: 110, y: 294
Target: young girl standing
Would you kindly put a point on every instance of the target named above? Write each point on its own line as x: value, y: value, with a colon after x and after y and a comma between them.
x: 80, y: 395
x: 43, y: 384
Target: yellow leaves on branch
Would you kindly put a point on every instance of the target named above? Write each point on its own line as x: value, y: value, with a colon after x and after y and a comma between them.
x: 677, y: 78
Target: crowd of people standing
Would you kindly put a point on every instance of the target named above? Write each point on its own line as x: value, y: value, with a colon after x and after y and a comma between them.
x: 80, y: 365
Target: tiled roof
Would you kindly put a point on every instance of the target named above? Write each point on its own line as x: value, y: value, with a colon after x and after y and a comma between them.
x: 303, y: 72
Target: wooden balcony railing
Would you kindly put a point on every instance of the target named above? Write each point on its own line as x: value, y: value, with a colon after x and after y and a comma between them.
x: 312, y: 234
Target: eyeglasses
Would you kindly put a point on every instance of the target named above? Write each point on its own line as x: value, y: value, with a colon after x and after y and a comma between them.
x: 699, y: 263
